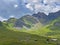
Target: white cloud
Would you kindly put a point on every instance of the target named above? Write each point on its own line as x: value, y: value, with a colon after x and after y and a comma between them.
x: 15, y: 5
x: 29, y: 6
x: 2, y: 19
x: 11, y: 16
x: 46, y: 6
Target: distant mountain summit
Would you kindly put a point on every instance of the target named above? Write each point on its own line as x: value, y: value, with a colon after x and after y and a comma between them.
x: 43, y: 18
x: 28, y: 21
x: 52, y: 16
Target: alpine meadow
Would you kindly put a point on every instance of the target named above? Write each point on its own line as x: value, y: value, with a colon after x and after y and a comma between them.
x: 29, y: 22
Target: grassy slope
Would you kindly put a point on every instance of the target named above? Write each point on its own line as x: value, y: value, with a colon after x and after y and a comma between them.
x: 10, y: 37
x: 55, y: 29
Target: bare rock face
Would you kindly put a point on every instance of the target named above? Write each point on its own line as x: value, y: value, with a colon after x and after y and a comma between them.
x: 44, y: 19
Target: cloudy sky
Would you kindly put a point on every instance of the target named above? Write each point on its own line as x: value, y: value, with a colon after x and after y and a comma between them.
x: 19, y: 8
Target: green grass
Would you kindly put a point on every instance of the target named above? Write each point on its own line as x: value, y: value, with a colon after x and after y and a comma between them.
x: 37, y: 35
x: 9, y: 36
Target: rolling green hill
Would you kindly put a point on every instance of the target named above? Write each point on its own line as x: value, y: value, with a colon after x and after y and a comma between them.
x: 9, y: 36
x: 55, y: 28
x: 11, y: 21
x: 35, y: 34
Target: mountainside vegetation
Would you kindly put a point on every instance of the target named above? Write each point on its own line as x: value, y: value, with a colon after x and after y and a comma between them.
x: 36, y: 29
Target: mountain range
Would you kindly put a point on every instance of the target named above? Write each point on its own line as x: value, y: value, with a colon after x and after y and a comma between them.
x: 35, y: 29
x: 29, y: 21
